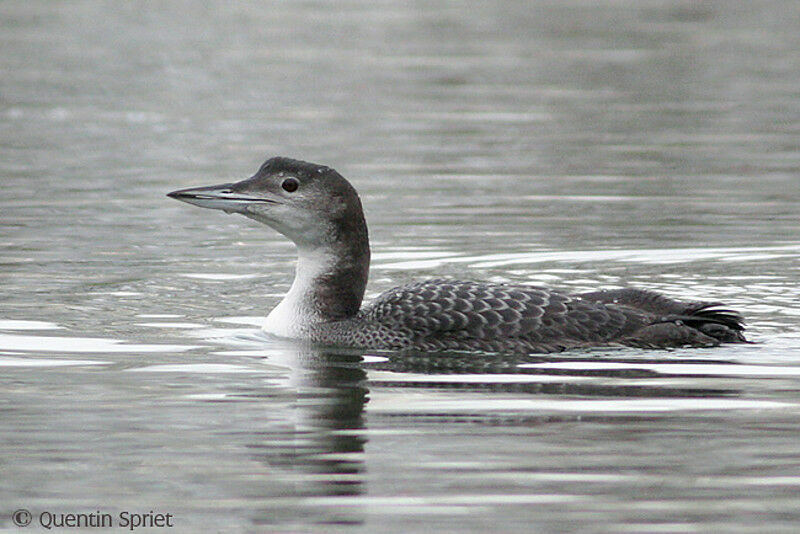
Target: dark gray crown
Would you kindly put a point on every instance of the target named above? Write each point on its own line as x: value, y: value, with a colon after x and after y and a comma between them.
x: 295, y: 167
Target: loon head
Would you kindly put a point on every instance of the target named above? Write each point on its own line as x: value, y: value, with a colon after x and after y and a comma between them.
x: 313, y: 205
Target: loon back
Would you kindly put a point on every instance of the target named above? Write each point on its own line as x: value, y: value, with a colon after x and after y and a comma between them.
x: 321, y: 213
x: 450, y: 315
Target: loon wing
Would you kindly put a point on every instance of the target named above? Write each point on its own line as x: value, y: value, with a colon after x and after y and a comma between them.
x: 709, y: 318
x: 445, y: 314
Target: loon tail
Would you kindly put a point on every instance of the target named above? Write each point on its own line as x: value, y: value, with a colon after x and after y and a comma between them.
x: 676, y: 323
x: 722, y: 324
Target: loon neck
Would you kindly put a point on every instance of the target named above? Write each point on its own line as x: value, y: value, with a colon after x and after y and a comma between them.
x: 328, y: 286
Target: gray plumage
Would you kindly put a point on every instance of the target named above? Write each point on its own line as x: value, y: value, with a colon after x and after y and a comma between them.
x: 320, y: 211
x: 452, y: 315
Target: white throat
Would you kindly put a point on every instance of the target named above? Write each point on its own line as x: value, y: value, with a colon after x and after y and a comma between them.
x: 293, y: 316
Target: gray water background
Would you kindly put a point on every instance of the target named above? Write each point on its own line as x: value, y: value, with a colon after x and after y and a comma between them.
x: 572, y: 144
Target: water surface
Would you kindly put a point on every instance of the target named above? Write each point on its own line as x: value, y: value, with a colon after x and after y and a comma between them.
x: 570, y: 144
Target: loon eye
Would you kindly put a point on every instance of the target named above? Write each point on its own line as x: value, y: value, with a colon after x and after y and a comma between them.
x: 290, y: 185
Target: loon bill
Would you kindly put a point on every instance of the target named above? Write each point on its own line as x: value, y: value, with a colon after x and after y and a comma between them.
x: 321, y: 213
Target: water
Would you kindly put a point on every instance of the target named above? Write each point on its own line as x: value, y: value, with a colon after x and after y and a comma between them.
x: 571, y: 144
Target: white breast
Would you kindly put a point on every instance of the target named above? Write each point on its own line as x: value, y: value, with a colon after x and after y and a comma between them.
x: 282, y: 321
x: 293, y: 316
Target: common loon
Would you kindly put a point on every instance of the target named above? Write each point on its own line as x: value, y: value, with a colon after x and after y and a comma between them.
x: 318, y: 209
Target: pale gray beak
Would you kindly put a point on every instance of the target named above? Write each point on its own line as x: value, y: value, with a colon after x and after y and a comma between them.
x: 218, y: 197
